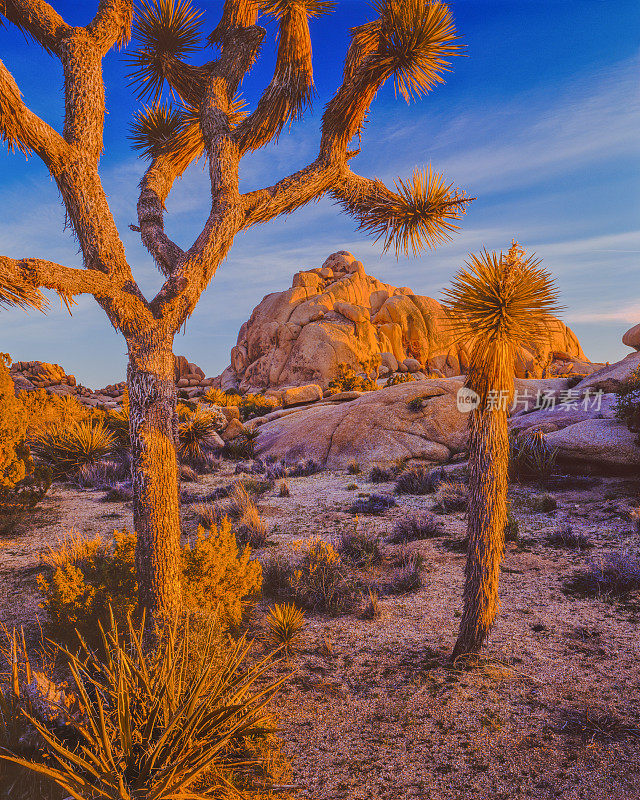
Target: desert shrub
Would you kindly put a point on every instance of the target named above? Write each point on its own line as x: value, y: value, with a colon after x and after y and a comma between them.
x: 406, y: 576
x: 285, y: 623
x: 195, y: 432
x: 359, y: 547
x: 117, y: 421
x: 283, y: 489
x: 451, y: 497
x: 65, y: 448
x: 255, y: 405
x: 542, y: 504
x: 567, y: 537
x: 627, y: 406
x: 416, y: 526
x: 96, y: 475
x: 239, y: 501
x: 351, y: 487
x: 373, y: 504
x: 348, y: 380
x: 530, y: 457
x: 257, y: 486
x: 84, y: 577
x: 380, y: 475
x: 399, y: 377
x: 242, y: 447
x: 118, y: 492
x: 44, y: 409
x: 216, y: 397
x: 318, y: 581
x: 251, y: 529
x: 419, y: 479
x: 17, y: 501
x: 208, y: 514
x: 612, y: 575
x: 354, y: 468
x: 164, y: 722
x: 188, y: 474
x: 371, y: 603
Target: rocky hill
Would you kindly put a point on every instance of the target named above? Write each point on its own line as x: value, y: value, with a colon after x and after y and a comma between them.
x: 338, y: 314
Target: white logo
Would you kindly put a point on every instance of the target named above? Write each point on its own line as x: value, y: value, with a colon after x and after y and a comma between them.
x: 467, y: 400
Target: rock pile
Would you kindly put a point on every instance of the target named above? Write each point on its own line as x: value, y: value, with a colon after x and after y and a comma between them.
x: 337, y: 314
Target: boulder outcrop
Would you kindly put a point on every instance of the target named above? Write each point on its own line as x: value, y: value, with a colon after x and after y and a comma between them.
x: 337, y: 314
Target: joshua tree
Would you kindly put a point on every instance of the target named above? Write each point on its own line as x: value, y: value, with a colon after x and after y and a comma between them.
x: 499, y: 303
x: 409, y: 40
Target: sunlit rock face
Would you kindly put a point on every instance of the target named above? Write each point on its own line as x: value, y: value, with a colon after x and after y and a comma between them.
x: 337, y: 314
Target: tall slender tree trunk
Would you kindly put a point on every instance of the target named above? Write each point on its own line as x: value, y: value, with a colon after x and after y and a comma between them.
x: 152, y: 425
x: 487, y: 517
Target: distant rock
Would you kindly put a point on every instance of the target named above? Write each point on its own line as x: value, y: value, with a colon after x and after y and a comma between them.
x: 599, y: 442
x: 338, y: 314
x: 632, y: 337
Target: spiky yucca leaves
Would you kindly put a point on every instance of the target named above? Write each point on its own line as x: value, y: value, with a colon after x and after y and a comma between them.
x: 65, y: 448
x: 15, y: 290
x: 166, y: 32
x: 500, y: 302
x: 291, y: 87
x: 153, y: 129
x: 411, y: 40
x: 285, y: 623
x: 421, y: 212
x: 166, y: 722
x: 196, y: 432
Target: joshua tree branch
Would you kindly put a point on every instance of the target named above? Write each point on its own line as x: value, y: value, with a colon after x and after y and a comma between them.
x: 154, y: 190
x: 290, y: 193
x: 38, y: 19
x: 25, y: 277
x: 235, y: 14
x: 290, y: 89
x: 112, y: 24
x: 21, y: 128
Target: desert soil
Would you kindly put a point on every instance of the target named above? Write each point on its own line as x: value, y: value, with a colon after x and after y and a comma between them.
x: 374, y: 709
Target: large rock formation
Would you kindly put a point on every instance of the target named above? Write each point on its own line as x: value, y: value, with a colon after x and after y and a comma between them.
x: 338, y: 314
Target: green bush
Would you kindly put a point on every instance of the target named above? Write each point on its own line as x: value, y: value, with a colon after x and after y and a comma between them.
x: 399, y: 377
x: 347, y: 380
x: 85, y: 577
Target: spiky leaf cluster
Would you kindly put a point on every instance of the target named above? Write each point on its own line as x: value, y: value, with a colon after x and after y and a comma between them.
x: 166, y: 31
x: 280, y: 8
x: 153, y: 721
x: 421, y: 212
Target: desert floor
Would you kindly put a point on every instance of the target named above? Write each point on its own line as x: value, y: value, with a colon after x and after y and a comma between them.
x: 374, y: 709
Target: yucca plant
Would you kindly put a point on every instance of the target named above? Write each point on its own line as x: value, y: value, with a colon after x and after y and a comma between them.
x: 65, y: 448
x: 531, y: 456
x: 195, y: 433
x: 166, y: 723
x: 285, y: 623
x: 499, y: 303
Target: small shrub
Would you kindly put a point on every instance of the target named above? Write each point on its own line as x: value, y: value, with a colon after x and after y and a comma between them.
x: 85, y: 577
x: 407, y: 576
x: 568, y: 538
x: 399, y: 377
x: 257, y: 487
x: 542, y: 504
x: 285, y: 623
x: 18, y: 500
x: 118, y: 492
x: 359, y: 547
x: 612, y: 575
x: 352, y: 487
x: 416, y: 526
x: 531, y: 457
x: 371, y: 608
x: 255, y: 405
x: 188, y: 474
x: 283, y: 489
x: 419, y: 479
x: 451, y: 497
x: 627, y: 406
x: 276, y: 577
x: 374, y: 504
x: 347, y: 380
x: 97, y: 475
x: 251, y: 529
x: 242, y: 447
x: 66, y: 448
x: 380, y: 475
x: 354, y: 468
x: 239, y: 501
x: 208, y: 514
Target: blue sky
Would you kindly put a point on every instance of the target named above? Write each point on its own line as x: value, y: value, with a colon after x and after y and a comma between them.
x: 539, y: 121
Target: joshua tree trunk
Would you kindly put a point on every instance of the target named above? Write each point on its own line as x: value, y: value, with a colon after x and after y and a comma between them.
x: 152, y: 424
x: 488, y: 466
